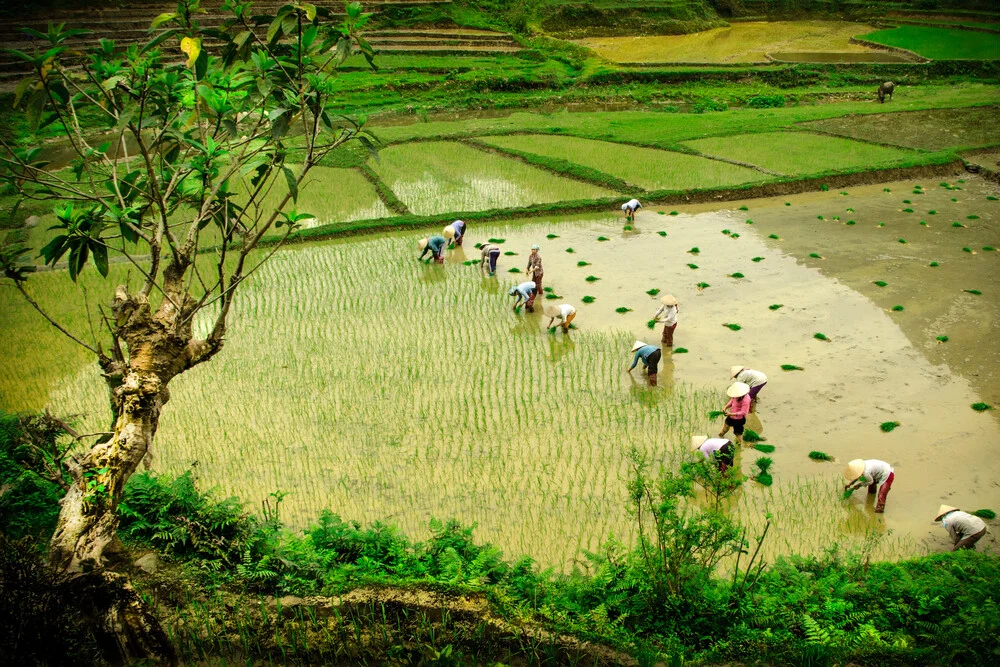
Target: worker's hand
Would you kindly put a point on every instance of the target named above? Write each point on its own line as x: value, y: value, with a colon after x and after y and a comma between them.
x: 628, y: 370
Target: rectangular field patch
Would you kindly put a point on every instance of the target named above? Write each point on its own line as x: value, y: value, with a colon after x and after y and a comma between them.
x: 932, y: 130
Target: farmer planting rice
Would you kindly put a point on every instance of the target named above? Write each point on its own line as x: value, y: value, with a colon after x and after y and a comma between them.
x: 524, y: 292
x: 535, y: 271
x: 719, y: 449
x: 564, y: 312
x: 434, y: 245
x: 668, y: 311
x: 490, y: 253
x: 736, y: 410
x: 964, y: 529
x: 630, y: 207
x: 755, y: 379
x: 455, y: 232
x: 878, y: 474
x: 650, y: 355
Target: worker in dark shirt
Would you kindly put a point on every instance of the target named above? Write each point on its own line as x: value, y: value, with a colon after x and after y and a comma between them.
x: 435, y: 245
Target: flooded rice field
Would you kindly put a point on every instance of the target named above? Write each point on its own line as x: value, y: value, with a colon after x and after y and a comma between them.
x: 386, y: 389
x: 933, y: 130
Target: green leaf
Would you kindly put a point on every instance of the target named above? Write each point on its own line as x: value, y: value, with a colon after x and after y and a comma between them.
x: 54, y: 249
x: 163, y: 18
x: 293, y: 185
x: 100, y: 252
x: 310, y: 11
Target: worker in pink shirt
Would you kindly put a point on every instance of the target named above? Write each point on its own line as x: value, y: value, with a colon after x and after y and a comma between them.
x: 736, y: 410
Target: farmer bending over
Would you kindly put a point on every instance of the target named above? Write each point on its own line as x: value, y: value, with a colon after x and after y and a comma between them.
x: 736, y: 410
x: 755, y: 379
x: 564, y: 313
x: 535, y: 271
x: 965, y: 529
x: 630, y: 207
x: 878, y: 474
x: 524, y: 292
x: 455, y: 232
x: 719, y: 449
x: 435, y: 245
x: 650, y: 355
x: 669, y: 311
x: 490, y: 255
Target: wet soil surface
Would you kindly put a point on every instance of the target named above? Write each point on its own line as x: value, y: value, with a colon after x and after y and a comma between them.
x: 931, y: 130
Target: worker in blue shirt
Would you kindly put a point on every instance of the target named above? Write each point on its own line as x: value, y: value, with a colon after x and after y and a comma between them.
x: 650, y: 355
x: 524, y: 292
x: 434, y: 245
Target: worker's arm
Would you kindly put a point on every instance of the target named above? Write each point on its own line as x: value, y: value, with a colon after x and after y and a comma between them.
x: 549, y: 325
x: 635, y: 360
x: 856, y: 484
x: 426, y: 249
x: 656, y: 315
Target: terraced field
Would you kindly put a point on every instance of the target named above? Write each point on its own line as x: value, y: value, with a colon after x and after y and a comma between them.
x: 928, y: 130
x: 940, y: 43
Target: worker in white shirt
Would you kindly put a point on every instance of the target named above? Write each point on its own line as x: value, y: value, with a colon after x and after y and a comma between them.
x: 719, y: 449
x: 964, y: 529
x: 565, y: 313
x: 630, y: 207
x: 668, y: 310
x: 879, y: 476
x: 755, y: 379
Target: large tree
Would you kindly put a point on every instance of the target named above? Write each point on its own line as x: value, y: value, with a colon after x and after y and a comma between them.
x: 205, y: 136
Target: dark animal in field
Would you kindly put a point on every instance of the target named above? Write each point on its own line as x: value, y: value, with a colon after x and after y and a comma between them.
x: 885, y: 89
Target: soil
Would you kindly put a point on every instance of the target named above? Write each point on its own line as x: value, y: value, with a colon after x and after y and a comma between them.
x: 931, y: 130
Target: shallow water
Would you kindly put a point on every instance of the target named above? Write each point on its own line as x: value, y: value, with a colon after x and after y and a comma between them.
x: 838, y: 57
x: 387, y: 389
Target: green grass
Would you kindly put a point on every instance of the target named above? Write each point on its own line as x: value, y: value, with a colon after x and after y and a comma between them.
x: 939, y: 43
x: 648, y: 168
x: 799, y: 153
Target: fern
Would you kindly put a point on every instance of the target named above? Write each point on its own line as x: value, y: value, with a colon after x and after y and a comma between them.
x: 813, y: 631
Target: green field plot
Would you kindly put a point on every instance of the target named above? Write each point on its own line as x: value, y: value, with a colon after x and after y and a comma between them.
x: 648, y: 168
x: 332, y: 196
x: 934, y: 130
x: 737, y: 43
x: 439, y: 176
x: 798, y: 153
x: 940, y: 43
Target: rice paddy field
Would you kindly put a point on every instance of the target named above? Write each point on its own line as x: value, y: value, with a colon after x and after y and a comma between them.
x: 361, y: 380
x: 738, y: 43
x: 927, y: 130
x: 940, y: 43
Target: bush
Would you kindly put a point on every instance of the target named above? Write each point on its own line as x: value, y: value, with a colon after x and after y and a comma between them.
x: 30, y: 504
x: 766, y: 101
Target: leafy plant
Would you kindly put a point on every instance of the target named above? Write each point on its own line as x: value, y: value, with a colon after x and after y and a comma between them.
x: 888, y: 427
x: 651, y: 324
x: 989, y: 515
x: 497, y: 241
x: 749, y: 435
x: 933, y: 264
x: 680, y: 350
x: 715, y: 414
x: 763, y: 476
x: 514, y: 269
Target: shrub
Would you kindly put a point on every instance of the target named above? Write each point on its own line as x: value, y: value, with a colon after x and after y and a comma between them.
x: 768, y: 102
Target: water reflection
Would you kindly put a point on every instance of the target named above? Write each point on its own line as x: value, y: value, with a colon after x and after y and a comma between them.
x: 560, y: 345
x: 489, y: 284
x: 432, y: 273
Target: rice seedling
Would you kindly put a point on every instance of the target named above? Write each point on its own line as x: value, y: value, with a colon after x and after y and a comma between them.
x: 954, y: 199
x: 819, y: 217
x: 889, y: 427
x: 603, y: 238
x: 903, y: 241
x: 972, y: 217
x: 583, y: 263
x: 844, y: 192
x: 591, y: 279
x: 973, y: 291
x: 548, y: 289
x: 923, y: 223
x: 726, y: 232
x: 732, y: 326
x: 751, y: 436
x: 661, y: 233
x: 749, y: 221
x: 761, y: 447
x: 788, y: 203
x: 692, y: 266
x: 680, y: 350
x: 497, y: 241
x: 849, y: 210
x: 815, y: 255
x: 570, y: 250
x: 989, y: 248
x: 957, y: 224
x: 588, y: 299
x: 737, y: 275
x: 744, y: 208
x: 969, y: 250
x: 651, y: 324
x: 981, y: 407
x: 942, y: 339
x: 702, y: 286
x: 551, y: 236
x: 773, y: 236
x: 932, y: 212
x: 757, y: 259
x: 621, y: 310
x: 695, y: 250
x: 897, y: 308
x: 514, y: 270
x: 674, y: 213
x: 478, y: 246
x: 820, y: 456
x: 467, y: 262
x: 661, y: 212
x: 734, y: 236
x: 763, y: 475
x: 627, y: 228
x: 989, y: 515
x: 880, y: 283
x: 820, y: 336
x: 791, y: 367
x: 907, y: 210
x: 775, y: 306
x: 991, y: 198
x: 851, y: 223
x: 552, y: 296
x: 715, y: 414
x: 510, y: 253
x: 652, y: 292
x: 933, y: 264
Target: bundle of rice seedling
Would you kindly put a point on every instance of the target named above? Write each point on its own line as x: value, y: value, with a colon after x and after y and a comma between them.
x: 732, y: 326
x: 791, y: 367
x: 591, y: 279
x: 652, y: 292
x: 651, y: 324
x: 888, y: 427
x: 751, y: 436
x: 820, y: 336
x: 761, y: 447
x: 985, y: 514
x: 588, y: 299
x: 981, y: 407
x: 680, y: 350
x: 715, y: 414
x: 820, y: 456
x: 775, y: 306
x: 622, y: 310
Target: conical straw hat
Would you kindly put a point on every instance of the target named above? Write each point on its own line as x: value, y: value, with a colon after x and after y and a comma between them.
x: 449, y: 232
x: 854, y: 469
x: 735, y: 370
x: 738, y: 389
x: 637, y: 345
x: 422, y: 243
x: 944, y: 509
x: 697, y: 441
x: 668, y: 300
x: 551, y: 311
